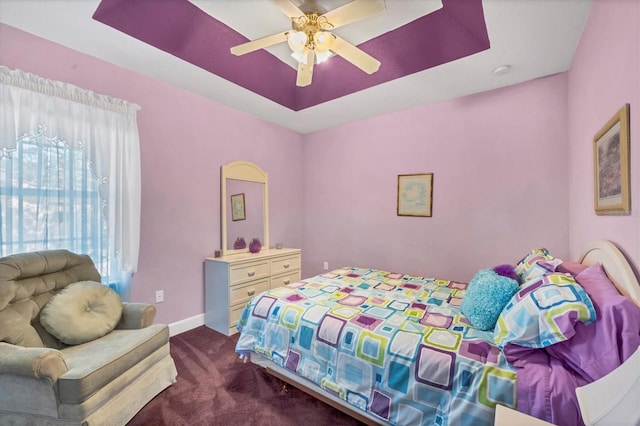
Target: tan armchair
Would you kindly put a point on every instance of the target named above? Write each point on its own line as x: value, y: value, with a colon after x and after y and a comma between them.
x: 43, y: 381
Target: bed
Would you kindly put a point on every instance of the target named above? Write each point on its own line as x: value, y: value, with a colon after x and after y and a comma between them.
x: 390, y: 348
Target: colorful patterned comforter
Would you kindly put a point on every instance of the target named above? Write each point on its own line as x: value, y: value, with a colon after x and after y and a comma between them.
x: 394, y: 345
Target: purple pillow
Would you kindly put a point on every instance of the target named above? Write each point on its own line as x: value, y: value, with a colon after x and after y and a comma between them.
x: 597, y: 349
x: 506, y: 270
x: 569, y: 267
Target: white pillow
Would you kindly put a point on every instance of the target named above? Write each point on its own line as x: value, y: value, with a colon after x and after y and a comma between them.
x: 81, y: 312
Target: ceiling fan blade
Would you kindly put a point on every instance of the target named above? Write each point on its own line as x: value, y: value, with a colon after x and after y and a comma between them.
x: 288, y: 8
x: 305, y: 71
x: 260, y: 43
x: 354, y: 11
x: 357, y: 57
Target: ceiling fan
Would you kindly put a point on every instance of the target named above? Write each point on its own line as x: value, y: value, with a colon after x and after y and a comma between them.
x: 310, y: 37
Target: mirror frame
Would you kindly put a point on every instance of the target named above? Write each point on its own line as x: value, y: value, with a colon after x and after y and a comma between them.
x: 248, y: 172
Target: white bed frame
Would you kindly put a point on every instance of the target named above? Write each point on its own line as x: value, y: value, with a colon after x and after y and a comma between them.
x: 614, y: 262
x: 615, y: 398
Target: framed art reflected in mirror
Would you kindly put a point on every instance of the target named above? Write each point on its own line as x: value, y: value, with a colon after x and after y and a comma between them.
x: 611, y: 166
x: 238, y: 211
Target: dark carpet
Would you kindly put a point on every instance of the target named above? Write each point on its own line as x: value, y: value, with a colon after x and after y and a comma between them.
x: 215, y: 387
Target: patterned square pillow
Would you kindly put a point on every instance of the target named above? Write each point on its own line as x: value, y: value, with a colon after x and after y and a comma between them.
x: 536, y: 264
x: 544, y: 312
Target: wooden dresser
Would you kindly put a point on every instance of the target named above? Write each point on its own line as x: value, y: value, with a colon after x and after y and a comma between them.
x: 231, y: 281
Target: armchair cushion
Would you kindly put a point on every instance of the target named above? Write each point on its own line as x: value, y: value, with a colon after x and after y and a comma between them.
x: 93, y: 365
x: 82, y: 312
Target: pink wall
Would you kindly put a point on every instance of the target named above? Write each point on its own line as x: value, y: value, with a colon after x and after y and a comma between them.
x: 184, y: 140
x: 500, y: 184
x: 604, y: 75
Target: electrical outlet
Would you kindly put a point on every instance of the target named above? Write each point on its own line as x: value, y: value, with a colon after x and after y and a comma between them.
x: 326, y: 266
x: 159, y: 296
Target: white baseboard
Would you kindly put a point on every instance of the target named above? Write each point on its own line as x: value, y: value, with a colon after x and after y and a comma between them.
x: 186, y: 324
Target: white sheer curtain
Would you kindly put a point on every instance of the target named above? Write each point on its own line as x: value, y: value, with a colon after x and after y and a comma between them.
x: 69, y: 173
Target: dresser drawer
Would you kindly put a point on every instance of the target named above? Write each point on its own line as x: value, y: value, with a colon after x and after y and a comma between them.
x: 248, y: 271
x: 284, y: 279
x: 243, y: 293
x: 284, y: 264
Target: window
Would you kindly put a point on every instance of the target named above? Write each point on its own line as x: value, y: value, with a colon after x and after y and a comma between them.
x: 69, y: 174
x: 50, y: 200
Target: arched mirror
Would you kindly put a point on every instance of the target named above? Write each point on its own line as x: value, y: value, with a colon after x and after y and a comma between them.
x: 244, y: 205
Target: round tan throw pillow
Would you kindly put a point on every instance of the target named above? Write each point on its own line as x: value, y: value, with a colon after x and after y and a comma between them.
x: 82, y: 312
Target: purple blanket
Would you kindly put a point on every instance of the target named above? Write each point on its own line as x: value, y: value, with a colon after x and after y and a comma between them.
x: 546, y: 389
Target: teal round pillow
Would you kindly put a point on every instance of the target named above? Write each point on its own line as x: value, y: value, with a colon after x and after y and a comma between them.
x: 487, y: 295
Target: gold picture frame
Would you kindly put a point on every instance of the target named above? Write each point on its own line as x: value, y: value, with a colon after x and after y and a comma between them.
x: 238, y: 211
x: 611, y: 166
x: 415, y: 195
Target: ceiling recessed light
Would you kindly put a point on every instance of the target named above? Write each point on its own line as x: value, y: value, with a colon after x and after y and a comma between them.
x: 502, y: 70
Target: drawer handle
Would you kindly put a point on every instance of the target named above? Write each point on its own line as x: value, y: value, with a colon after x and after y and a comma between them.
x: 286, y: 265
x: 251, y: 292
x: 252, y: 273
x: 286, y: 282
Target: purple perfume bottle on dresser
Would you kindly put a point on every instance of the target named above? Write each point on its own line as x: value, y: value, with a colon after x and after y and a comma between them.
x: 240, y: 243
x: 255, y: 245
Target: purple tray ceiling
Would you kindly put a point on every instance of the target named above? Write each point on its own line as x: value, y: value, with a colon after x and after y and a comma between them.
x: 180, y: 28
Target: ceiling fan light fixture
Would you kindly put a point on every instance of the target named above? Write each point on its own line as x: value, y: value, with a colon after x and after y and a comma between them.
x: 297, y: 40
x: 322, y: 41
x: 300, y: 57
x: 323, y: 56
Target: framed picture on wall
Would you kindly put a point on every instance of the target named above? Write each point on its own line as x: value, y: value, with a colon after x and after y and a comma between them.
x: 611, y: 166
x: 415, y: 194
x: 238, y: 211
